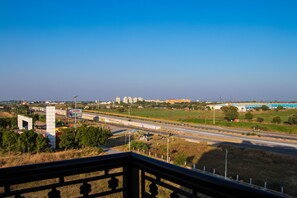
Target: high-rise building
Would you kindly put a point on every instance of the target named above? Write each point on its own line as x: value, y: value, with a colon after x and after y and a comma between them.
x: 51, y: 125
x: 118, y: 100
x: 130, y: 100
x: 125, y: 100
x: 140, y: 99
x: 135, y: 99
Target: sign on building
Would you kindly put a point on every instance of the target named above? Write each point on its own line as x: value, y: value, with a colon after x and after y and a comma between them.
x: 72, y: 113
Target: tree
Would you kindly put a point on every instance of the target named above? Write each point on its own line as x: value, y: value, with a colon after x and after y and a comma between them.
x: 23, y: 109
x: 67, y: 139
x: 279, y: 107
x: 27, y: 141
x: 260, y: 119
x: 94, y: 136
x: 42, y: 143
x: 249, y: 116
x: 276, y: 119
x: 22, y: 143
x: 10, y: 139
x: 230, y: 112
x: 292, y: 119
x: 265, y: 108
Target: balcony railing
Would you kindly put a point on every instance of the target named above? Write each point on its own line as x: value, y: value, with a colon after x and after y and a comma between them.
x: 126, y: 175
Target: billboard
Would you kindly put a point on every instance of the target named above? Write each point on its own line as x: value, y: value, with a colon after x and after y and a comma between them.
x: 72, y: 113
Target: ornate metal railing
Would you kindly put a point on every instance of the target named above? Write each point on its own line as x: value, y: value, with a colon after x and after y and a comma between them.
x: 119, y: 175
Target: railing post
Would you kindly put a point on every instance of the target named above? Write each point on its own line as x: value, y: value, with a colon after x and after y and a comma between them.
x: 131, y: 181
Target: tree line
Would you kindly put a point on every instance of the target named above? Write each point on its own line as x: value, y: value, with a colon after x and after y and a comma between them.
x: 85, y: 136
x: 231, y: 113
x: 28, y: 141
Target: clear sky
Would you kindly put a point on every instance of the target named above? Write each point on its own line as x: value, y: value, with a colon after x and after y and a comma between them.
x: 241, y: 49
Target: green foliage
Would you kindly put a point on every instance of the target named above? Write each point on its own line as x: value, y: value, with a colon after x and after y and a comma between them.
x: 139, y: 145
x: 23, y: 109
x: 249, y: 116
x: 92, y: 136
x: 265, y: 108
x: 9, y: 140
x: 88, y: 136
x: 230, y: 112
x: 180, y: 159
x: 292, y: 119
x: 276, y: 119
x: 42, y: 118
x: 121, y: 109
x: 260, y: 119
x: 42, y: 143
x: 8, y: 122
x: 279, y: 107
x: 67, y: 139
x: 27, y: 141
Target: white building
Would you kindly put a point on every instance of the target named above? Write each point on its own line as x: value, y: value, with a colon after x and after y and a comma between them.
x: 118, y: 100
x: 51, y: 125
x: 140, y: 99
x: 135, y: 99
x: 130, y: 100
x: 125, y: 100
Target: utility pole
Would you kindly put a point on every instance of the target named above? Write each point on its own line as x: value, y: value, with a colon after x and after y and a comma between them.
x: 226, y: 163
x: 214, y: 115
x: 129, y: 110
x: 75, y: 114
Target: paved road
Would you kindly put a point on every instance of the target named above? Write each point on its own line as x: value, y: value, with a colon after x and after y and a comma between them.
x: 276, y: 145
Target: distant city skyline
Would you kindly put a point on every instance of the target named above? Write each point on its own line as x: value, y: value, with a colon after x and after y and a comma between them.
x: 201, y: 50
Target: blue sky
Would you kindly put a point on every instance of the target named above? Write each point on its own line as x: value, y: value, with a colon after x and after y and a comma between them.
x: 243, y: 50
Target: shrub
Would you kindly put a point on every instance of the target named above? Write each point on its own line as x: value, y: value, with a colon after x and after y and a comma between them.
x: 276, y: 119
x: 139, y: 145
x: 260, y: 119
x: 249, y: 116
x: 292, y: 119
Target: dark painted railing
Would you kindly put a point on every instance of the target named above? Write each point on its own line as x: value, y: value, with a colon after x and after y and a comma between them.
x: 126, y: 175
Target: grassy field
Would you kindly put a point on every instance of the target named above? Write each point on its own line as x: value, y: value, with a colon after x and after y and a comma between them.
x: 275, y: 169
x: 206, y: 117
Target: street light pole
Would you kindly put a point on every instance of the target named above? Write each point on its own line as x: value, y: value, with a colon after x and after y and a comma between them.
x: 214, y: 116
x: 75, y: 114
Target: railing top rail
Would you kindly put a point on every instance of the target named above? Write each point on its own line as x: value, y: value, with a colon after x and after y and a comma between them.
x: 193, y: 179
x: 25, y: 173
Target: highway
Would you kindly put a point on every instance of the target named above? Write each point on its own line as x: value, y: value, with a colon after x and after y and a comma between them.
x: 285, y: 144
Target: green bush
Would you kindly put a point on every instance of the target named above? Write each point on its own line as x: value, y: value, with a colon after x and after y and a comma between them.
x: 292, y: 119
x: 249, y: 116
x: 276, y: 119
x: 139, y: 145
x: 260, y: 119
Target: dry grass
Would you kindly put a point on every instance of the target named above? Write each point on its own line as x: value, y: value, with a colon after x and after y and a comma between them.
x: 8, y: 160
x: 6, y: 115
